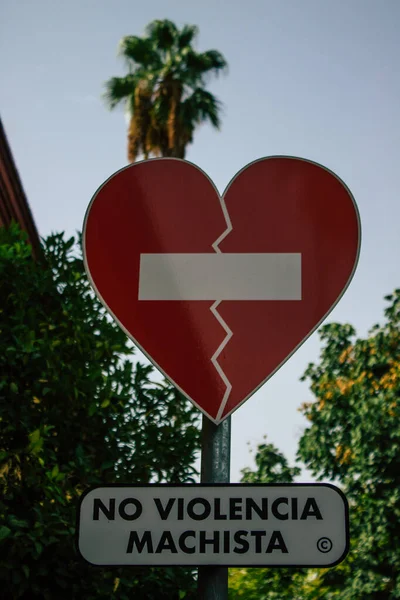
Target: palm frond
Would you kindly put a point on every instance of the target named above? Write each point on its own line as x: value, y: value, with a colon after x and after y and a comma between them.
x: 205, y: 62
x: 186, y: 36
x: 118, y: 89
x: 199, y: 107
x: 163, y: 33
x: 139, y: 51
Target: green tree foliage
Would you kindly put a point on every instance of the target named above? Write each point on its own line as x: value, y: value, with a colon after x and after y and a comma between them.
x: 164, y: 91
x: 272, y: 467
x: 354, y: 438
x: 267, y: 584
x: 75, y: 412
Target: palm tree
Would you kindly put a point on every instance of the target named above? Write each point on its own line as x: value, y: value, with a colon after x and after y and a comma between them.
x: 164, y: 91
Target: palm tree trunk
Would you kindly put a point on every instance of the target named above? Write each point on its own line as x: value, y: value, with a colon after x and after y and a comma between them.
x: 133, y: 140
x: 173, y: 118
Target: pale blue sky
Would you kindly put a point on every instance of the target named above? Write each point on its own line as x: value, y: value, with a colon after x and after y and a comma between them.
x: 312, y: 78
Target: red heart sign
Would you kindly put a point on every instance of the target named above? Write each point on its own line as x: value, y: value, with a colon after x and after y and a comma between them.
x: 217, y: 291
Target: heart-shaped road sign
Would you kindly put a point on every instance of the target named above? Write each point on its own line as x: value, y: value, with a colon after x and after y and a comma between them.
x: 218, y: 291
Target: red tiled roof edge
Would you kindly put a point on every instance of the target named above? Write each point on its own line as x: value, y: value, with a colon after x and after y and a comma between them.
x: 13, y: 201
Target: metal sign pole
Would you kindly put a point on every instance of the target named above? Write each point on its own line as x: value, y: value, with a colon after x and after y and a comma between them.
x: 215, y: 468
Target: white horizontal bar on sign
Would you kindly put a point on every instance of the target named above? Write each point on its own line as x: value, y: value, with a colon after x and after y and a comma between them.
x: 220, y: 276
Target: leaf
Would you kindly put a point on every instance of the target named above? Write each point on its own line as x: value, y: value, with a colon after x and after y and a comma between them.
x: 35, y: 441
x: 19, y: 523
x: 34, y: 437
x: 38, y: 547
x: 4, y: 532
x: 108, y: 464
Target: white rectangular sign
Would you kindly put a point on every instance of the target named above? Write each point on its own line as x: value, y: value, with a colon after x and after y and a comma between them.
x: 220, y: 276
x: 300, y: 525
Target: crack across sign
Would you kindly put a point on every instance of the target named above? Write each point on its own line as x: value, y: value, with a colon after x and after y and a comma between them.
x: 229, y: 332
